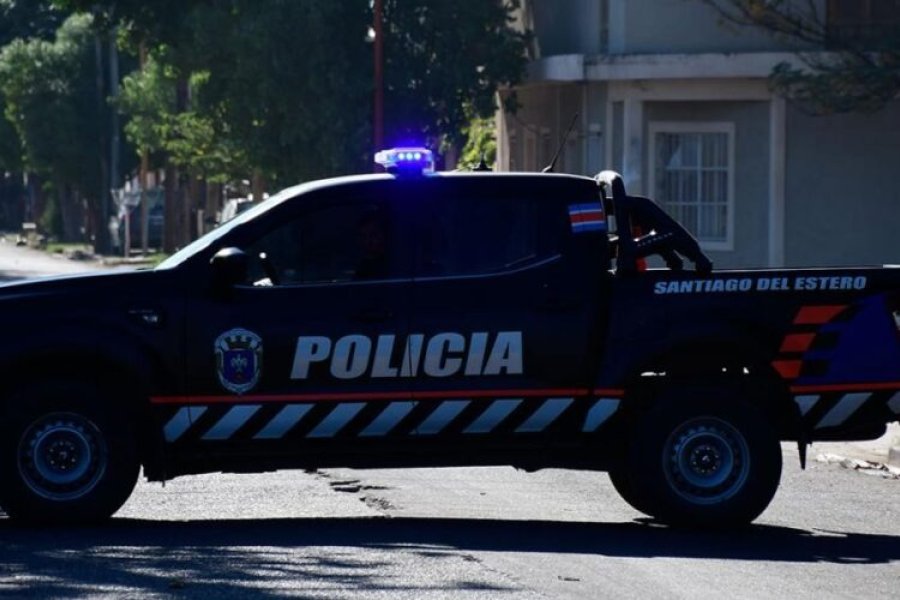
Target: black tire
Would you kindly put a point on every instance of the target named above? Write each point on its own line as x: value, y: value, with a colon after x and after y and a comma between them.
x: 704, y: 460
x: 620, y: 477
x: 67, y: 455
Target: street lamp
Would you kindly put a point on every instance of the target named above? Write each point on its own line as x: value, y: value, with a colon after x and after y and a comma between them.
x: 378, y: 117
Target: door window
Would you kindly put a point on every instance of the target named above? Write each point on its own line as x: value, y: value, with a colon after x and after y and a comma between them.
x: 351, y: 241
x: 477, y: 236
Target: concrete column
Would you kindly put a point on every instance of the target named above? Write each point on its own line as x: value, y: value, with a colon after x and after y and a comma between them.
x: 633, y: 158
x: 616, y: 27
x: 777, y: 159
x: 608, y: 136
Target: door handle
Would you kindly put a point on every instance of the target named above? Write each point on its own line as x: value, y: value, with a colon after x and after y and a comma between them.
x: 373, y: 315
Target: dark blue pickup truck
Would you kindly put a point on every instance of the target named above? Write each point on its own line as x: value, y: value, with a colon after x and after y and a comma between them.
x: 413, y: 319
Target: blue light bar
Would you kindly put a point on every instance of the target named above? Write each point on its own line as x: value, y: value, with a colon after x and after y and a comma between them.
x: 406, y: 160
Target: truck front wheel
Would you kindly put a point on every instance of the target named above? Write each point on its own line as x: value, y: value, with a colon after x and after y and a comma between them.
x: 66, y: 455
x: 705, y: 462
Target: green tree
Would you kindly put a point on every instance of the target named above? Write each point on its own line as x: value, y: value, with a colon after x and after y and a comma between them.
x: 52, y: 104
x: 292, y: 80
x: 25, y: 19
x: 859, y: 72
x: 283, y: 88
x: 445, y: 62
x: 10, y: 144
x: 21, y: 19
x: 481, y: 143
x: 196, y: 140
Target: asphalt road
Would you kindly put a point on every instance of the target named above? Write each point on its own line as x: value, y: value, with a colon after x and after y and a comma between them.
x: 831, y: 532
x: 468, y: 533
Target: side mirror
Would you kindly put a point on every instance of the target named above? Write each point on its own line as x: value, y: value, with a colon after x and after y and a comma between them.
x: 229, y: 267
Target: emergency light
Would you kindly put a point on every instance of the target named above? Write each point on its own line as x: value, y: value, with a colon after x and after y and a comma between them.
x: 406, y: 161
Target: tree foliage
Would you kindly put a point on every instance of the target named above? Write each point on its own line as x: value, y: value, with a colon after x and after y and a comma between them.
x: 278, y: 88
x: 293, y: 79
x: 10, y: 144
x: 21, y: 19
x: 51, y: 101
x: 25, y: 19
x: 445, y: 61
x: 481, y: 143
x: 856, y: 73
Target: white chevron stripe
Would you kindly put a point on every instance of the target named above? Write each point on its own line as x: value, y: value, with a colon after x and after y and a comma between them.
x: 181, y: 422
x: 492, y: 416
x: 336, y: 420
x: 806, y: 403
x: 233, y: 420
x: 599, y: 413
x: 894, y: 403
x: 843, y: 410
x: 283, y: 422
x: 548, y: 412
x: 388, y: 419
x: 442, y: 416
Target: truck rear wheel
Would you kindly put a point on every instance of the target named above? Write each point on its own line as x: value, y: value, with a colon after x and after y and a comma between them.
x: 66, y: 456
x: 705, y: 462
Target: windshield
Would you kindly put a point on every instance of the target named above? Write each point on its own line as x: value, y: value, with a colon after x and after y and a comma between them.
x: 215, y: 235
x: 202, y: 243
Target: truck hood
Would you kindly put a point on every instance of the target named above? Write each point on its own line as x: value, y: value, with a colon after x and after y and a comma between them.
x: 95, y: 283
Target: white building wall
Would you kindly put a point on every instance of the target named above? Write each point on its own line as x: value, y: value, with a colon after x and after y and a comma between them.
x: 843, y: 188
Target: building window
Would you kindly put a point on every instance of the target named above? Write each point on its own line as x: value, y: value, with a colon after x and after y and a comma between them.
x: 692, y: 177
x: 874, y: 23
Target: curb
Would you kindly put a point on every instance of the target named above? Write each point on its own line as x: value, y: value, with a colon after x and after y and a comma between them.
x: 893, y: 458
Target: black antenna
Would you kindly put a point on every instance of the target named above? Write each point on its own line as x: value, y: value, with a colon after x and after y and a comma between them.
x: 562, y: 143
x: 482, y: 165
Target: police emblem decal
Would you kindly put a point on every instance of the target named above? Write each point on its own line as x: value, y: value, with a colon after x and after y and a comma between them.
x: 239, y: 360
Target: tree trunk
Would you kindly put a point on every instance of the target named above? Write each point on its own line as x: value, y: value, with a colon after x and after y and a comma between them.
x: 170, y: 240
x: 213, y: 204
x: 181, y: 210
x: 102, y: 240
x: 145, y: 211
x: 70, y: 214
x: 258, y: 187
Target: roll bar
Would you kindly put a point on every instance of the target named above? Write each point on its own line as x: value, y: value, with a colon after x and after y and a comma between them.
x: 659, y: 233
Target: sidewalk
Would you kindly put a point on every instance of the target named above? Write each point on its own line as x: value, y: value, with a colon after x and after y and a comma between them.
x: 20, y: 262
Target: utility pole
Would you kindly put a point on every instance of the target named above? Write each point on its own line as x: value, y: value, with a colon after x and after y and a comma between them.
x: 378, y: 119
x: 101, y: 231
x: 114, y: 182
x: 145, y: 166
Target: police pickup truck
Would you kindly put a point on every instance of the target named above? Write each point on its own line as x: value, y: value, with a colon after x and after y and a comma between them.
x: 418, y: 319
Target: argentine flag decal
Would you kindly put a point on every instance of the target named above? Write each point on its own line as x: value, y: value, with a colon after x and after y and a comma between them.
x: 587, y: 217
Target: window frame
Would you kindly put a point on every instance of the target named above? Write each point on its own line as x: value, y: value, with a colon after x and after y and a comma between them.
x: 551, y: 246
x: 301, y: 209
x: 685, y: 127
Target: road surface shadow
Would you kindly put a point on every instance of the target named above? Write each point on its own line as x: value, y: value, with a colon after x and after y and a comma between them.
x: 226, y: 557
x: 639, y: 538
